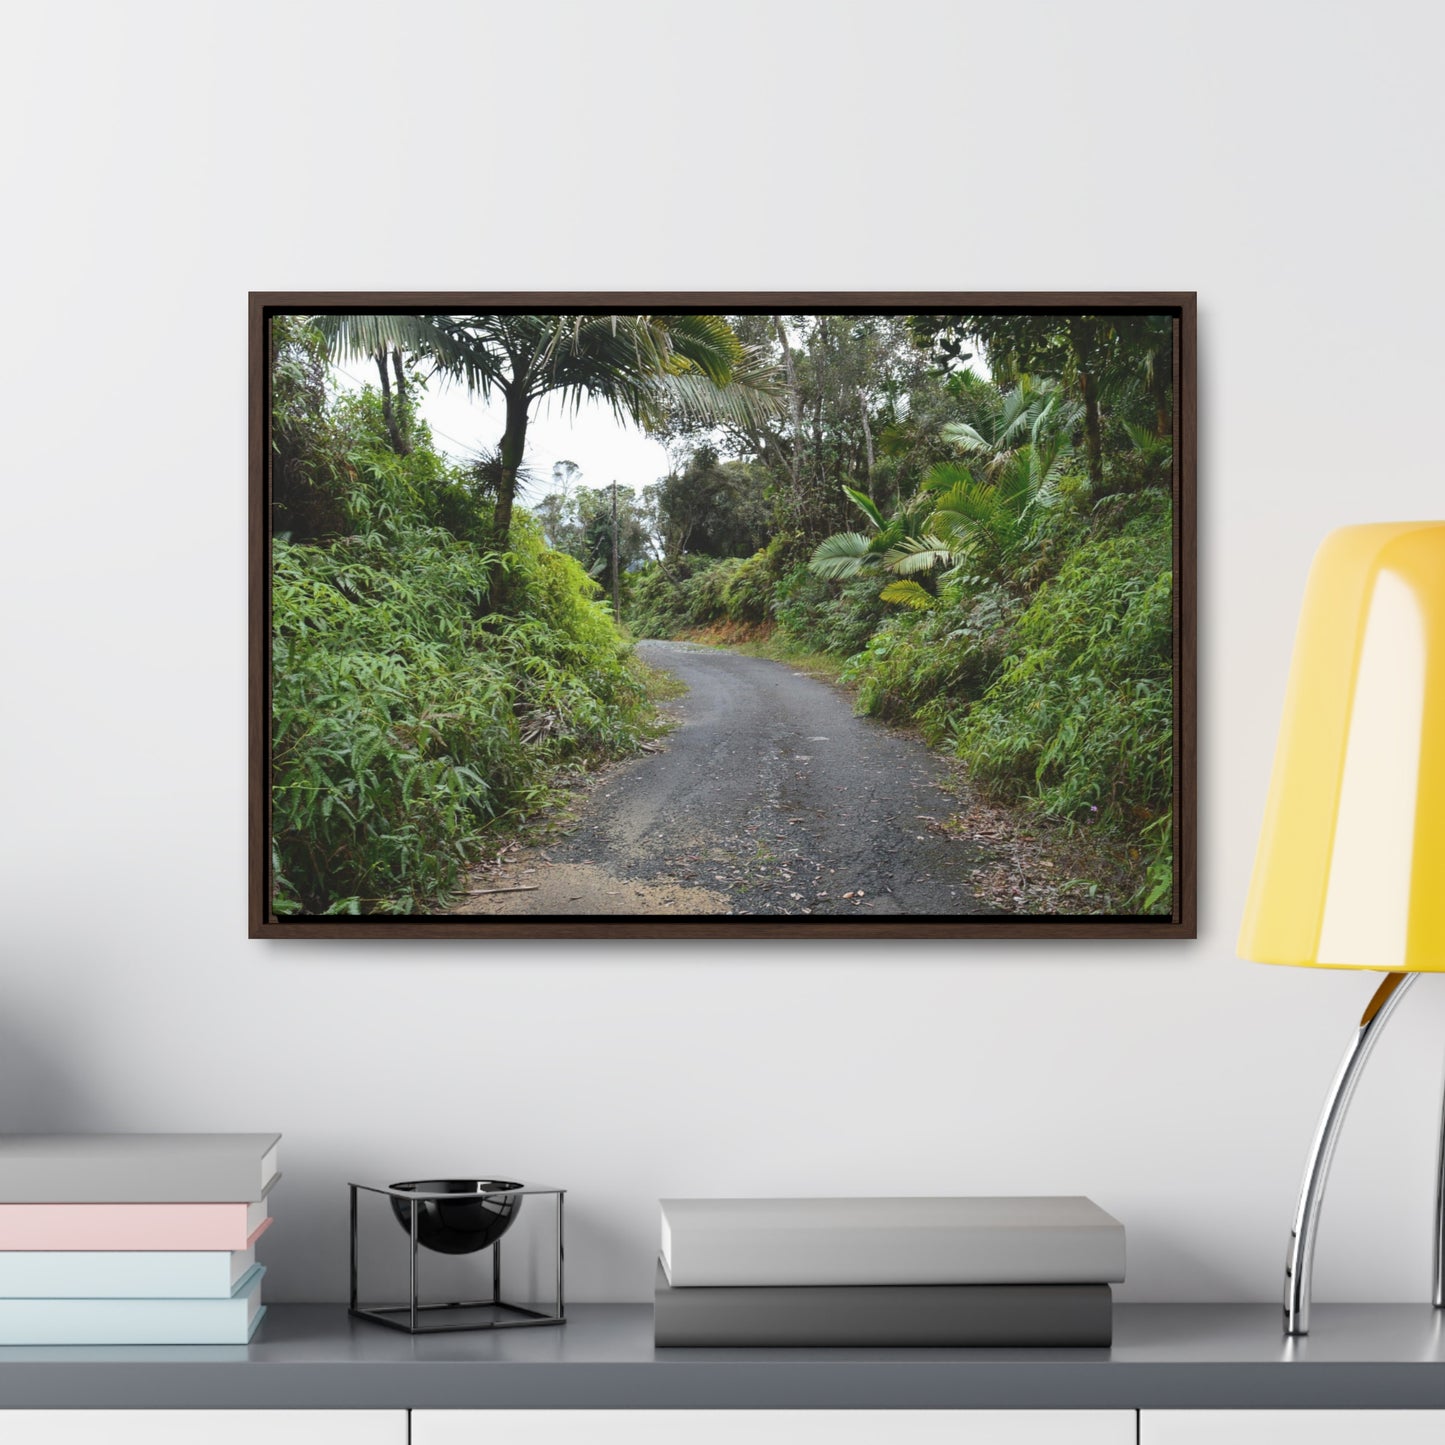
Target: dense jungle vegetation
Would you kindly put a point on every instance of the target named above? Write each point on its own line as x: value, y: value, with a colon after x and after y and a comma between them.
x: 971, y: 514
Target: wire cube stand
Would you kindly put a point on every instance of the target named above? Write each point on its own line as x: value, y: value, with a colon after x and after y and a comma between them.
x: 415, y: 1318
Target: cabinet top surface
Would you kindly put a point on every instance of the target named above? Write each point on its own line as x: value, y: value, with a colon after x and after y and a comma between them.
x: 1164, y: 1356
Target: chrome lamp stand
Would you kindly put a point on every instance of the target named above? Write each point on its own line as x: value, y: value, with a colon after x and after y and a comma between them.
x: 1299, y: 1266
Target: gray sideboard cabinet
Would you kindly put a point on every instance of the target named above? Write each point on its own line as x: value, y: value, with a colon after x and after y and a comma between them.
x: 1176, y: 1375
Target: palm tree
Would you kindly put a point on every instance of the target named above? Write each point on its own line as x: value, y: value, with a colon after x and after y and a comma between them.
x: 846, y: 555
x: 1033, y: 413
x: 978, y: 526
x: 646, y: 369
x: 959, y: 518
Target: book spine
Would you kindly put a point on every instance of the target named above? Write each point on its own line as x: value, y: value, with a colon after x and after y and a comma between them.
x: 751, y: 1256
x: 134, y: 1321
x: 158, y: 1227
x: 886, y: 1316
x: 120, y: 1274
x: 219, y: 1173
x: 100, y: 1326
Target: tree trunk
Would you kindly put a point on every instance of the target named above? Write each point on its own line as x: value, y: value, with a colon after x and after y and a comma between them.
x: 616, y: 589
x: 514, y: 444
x: 867, y: 435
x: 388, y: 411
x: 1083, y: 333
x: 667, y: 571
x: 403, y: 408
x: 1093, y: 443
x: 795, y: 460
x: 819, y: 459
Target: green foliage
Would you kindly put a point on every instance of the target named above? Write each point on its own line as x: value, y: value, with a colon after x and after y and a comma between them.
x: 748, y: 594
x: 666, y: 600
x: 910, y: 594
x: 709, y: 506
x: 407, y: 719
x: 975, y: 520
x: 309, y: 468
x: 821, y: 617
x: 735, y: 589
x: 657, y: 599
x: 926, y: 667
x: 579, y: 523
x: 1080, y: 718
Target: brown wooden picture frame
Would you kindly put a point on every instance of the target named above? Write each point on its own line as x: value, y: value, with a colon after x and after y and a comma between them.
x: 1181, y: 306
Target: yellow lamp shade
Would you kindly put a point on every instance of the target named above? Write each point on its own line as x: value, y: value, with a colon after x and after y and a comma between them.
x: 1350, y: 871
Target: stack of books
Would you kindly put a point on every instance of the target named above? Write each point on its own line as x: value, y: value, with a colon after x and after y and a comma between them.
x: 132, y: 1239
x: 887, y: 1272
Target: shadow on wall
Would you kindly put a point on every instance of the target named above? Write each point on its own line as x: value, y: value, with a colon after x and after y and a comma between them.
x: 38, y: 1094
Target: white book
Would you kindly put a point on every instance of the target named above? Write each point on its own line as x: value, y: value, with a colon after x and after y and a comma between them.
x: 137, y: 1168
x: 1049, y: 1239
x: 122, y: 1274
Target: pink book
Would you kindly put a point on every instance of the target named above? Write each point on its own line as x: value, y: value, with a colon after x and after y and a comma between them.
x: 132, y: 1226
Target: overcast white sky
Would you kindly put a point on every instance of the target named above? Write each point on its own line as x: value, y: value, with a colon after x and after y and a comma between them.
x: 607, y: 450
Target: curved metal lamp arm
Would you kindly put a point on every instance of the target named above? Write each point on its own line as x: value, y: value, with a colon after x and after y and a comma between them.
x: 1299, y: 1268
x: 1439, y: 1295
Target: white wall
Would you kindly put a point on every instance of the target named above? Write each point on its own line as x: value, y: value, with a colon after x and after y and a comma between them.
x: 162, y: 159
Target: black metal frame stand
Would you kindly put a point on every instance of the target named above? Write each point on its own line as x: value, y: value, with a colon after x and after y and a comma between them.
x: 415, y: 1318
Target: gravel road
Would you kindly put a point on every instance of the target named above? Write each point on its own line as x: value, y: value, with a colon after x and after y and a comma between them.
x: 770, y: 797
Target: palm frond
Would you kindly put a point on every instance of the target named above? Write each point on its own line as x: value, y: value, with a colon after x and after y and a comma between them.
x: 910, y: 594
x: 845, y: 554
x: 706, y: 343
x: 965, y: 437
x: 692, y: 395
x: 918, y: 555
x: 946, y: 476
x: 971, y: 501
x: 867, y: 506
x: 446, y: 341
x: 1156, y: 450
x: 649, y: 369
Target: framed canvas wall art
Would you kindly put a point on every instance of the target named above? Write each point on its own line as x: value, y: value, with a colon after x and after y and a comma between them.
x: 722, y: 615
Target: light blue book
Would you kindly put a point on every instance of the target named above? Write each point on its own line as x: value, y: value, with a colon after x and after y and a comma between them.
x: 122, y: 1273
x: 230, y: 1321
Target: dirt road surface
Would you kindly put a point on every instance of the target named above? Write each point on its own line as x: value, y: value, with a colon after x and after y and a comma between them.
x: 770, y: 797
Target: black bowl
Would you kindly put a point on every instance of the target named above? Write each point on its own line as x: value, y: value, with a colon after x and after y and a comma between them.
x: 461, y: 1225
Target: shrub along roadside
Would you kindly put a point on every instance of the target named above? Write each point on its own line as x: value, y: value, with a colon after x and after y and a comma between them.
x: 1080, y: 718
x: 407, y: 720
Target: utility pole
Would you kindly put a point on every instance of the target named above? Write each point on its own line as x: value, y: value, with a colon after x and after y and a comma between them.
x: 616, y: 588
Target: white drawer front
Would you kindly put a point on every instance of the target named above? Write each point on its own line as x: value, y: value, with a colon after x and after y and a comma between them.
x: 773, y: 1427
x: 1291, y: 1427
x: 202, y: 1427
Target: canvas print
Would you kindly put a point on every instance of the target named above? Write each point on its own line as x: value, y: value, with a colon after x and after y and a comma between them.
x: 857, y: 614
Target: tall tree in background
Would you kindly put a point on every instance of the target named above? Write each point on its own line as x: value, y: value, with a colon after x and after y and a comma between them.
x: 711, y: 507
x: 847, y: 377
x: 580, y: 522
x: 645, y: 369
